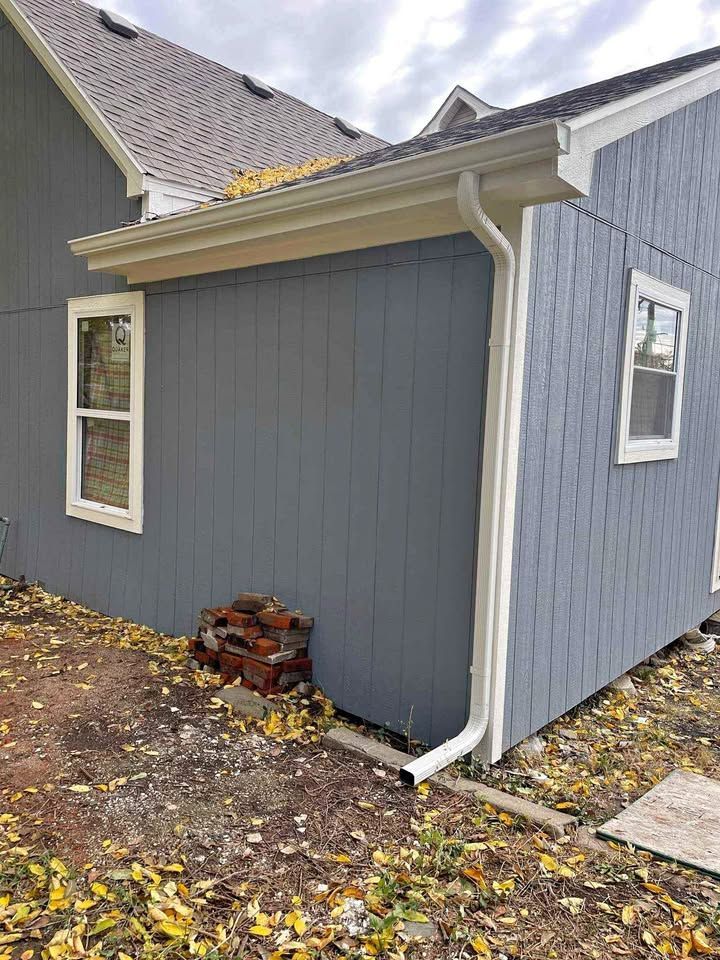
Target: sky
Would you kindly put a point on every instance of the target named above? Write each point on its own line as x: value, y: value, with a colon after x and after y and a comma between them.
x: 387, y: 65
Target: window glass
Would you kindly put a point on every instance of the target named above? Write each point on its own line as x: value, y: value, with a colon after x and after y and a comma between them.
x: 106, y: 461
x: 104, y: 363
x: 656, y: 329
x: 651, y: 409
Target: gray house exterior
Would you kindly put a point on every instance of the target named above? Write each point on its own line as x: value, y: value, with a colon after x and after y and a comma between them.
x: 321, y: 401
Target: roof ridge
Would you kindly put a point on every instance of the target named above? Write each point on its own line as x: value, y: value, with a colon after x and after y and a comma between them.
x: 223, y: 66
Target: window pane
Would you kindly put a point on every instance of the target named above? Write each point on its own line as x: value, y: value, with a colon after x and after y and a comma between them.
x: 104, y: 363
x: 106, y: 461
x: 656, y: 329
x: 651, y: 409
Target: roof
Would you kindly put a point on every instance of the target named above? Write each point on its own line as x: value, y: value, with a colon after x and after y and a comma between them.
x: 183, y: 118
x: 561, y: 106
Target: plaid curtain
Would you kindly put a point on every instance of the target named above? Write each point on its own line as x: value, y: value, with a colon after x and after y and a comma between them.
x: 106, y: 443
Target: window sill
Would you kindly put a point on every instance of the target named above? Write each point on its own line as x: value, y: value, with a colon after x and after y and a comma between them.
x: 648, y: 452
x: 106, y: 516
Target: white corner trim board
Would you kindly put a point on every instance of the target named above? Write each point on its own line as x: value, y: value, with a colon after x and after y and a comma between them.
x: 113, y: 305
x: 95, y: 120
x: 493, y: 542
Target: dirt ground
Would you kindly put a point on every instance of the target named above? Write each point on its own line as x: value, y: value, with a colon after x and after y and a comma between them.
x: 140, y: 818
x: 613, y: 748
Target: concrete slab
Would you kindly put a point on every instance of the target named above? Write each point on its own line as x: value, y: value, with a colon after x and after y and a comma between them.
x: 552, y: 822
x: 246, y: 702
x: 678, y: 820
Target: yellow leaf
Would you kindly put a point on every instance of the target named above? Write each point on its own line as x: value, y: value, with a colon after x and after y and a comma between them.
x: 174, y: 868
x: 102, y: 925
x: 260, y: 931
x: 99, y: 889
x: 628, y: 915
x: 700, y: 944
x: 171, y: 930
x: 36, y: 705
x: 548, y: 862
x: 480, y: 947
x: 476, y: 875
x: 573, y: 905
x: 80, y: 788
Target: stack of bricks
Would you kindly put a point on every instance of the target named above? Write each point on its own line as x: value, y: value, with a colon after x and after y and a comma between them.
x: 257, y: 640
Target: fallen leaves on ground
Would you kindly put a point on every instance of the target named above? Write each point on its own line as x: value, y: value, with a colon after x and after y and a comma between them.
x: 612, y: 748
x: 159, y: 824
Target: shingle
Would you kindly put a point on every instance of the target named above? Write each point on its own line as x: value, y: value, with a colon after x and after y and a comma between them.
x: 183, y: 117
x: 562, y: 106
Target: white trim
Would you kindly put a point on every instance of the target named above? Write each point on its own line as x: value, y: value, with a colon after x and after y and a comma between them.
x: 482, y: 733
x: 715, y: 574
x: 75, y: 506
x: 457, y: 96
x: 388, y: 203
x: 517, y: 225
x: 642, y: 451
x: 103, y: 130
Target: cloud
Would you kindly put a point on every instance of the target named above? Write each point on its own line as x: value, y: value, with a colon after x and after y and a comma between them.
x: 388, y: 64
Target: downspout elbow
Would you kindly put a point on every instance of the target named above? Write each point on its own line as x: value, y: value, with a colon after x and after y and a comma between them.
x: 488, y: 536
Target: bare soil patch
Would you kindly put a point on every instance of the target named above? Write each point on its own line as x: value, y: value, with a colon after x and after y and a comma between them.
x: 140, y: 818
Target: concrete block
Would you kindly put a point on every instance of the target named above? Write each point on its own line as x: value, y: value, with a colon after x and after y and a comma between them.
x: 552, y: 822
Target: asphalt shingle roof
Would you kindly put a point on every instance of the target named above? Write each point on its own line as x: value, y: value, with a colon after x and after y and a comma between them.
x: 561, y: 106
x: 183, y: 117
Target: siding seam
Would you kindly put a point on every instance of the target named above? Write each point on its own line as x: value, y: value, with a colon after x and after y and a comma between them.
x: 641, y: 239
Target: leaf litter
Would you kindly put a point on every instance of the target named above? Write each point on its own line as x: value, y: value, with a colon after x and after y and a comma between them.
x: 140, y: 818
x: 613, y: 748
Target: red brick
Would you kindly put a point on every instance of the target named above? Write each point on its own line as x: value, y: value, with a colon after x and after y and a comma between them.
x: 245, y: 633
x: 202, y: 657
x: 264, y: 647
x: 286, y: 620
x: 252, y: 602
x: 215, y: 616
x: 237, y: 618
x: 231, y: 663
x: 247, y: 683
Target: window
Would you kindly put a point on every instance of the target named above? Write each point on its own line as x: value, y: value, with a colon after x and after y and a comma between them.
x: 106, y: 346
x: 652, y: 385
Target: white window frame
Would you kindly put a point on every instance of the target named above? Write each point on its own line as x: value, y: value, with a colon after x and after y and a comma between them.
x: 132, y: 304
x: 641, y: 451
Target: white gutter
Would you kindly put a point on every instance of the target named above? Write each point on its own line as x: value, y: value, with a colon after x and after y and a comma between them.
x: 489, y: 558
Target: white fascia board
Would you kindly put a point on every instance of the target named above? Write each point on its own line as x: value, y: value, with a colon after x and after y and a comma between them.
x: 595, y: 129
x: 402, y: 199
x: 95, y: 120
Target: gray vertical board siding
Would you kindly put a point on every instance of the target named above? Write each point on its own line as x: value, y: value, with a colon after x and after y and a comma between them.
x: 57, y: 183
x: 613, y: 562
x: 312, y: 429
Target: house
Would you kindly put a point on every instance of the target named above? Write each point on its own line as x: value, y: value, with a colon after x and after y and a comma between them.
x: 456, y: 397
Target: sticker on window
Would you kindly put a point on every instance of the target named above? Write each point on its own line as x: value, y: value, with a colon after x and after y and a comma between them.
x: 120, y: 350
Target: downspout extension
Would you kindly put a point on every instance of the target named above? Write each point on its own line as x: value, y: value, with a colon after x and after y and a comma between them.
x: 494, y: 455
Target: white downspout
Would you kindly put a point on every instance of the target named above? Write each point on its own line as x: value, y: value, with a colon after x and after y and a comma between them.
x: 494, y: 452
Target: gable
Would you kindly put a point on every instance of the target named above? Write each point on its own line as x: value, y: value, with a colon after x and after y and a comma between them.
x: 179, y: 117
x: 55, y: 179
